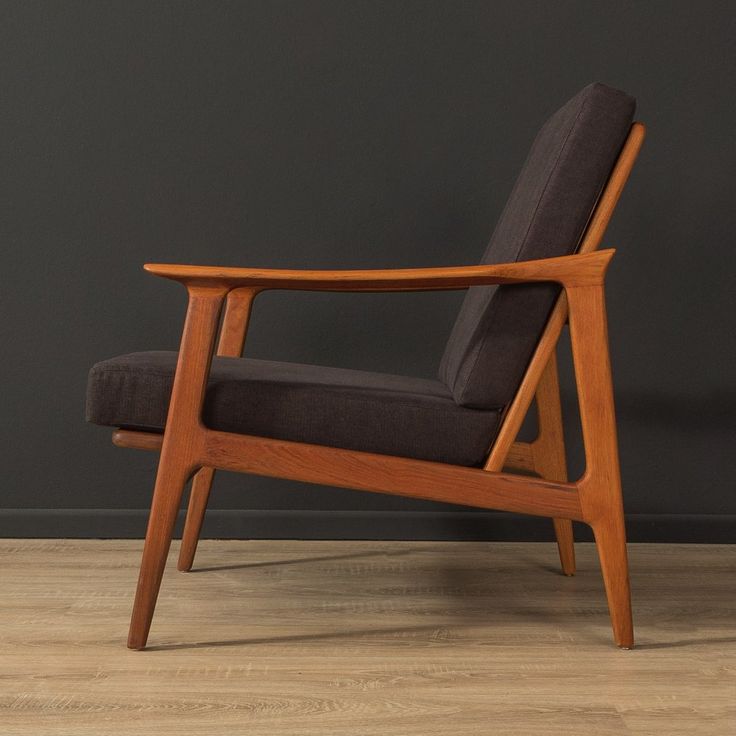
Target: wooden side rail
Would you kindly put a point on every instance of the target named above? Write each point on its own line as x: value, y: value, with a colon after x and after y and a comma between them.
x: 367, y: 471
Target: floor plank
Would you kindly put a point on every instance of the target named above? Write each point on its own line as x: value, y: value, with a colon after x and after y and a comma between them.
x: 321, y: 638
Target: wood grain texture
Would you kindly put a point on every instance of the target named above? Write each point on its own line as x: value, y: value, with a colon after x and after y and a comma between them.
x: 400, y: 476
x: 370, y: 638
x: 365, y: 471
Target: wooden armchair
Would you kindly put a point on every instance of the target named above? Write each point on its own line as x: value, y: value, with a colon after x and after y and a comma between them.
x: 451, y: 439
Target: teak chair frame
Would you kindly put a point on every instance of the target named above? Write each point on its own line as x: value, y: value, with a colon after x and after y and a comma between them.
x: 188, y: 448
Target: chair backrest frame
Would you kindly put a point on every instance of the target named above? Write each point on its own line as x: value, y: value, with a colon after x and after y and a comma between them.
x: 516, y: 411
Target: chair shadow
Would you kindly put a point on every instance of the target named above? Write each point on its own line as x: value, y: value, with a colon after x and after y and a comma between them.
x: 460, y: 616
x: 330, y: 635
x: 352, y: 634
x: 274, y: 563
x: 686, y: 643
x: 454, y: 578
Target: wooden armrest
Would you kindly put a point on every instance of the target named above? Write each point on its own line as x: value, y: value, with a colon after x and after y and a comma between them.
x: 576, y: 270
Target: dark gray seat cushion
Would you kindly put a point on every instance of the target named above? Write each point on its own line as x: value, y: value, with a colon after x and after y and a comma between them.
x: 499, y: 326
x: 373, y: 412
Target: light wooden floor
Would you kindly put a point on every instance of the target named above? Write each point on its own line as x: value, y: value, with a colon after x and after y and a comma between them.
x: 323, y: 638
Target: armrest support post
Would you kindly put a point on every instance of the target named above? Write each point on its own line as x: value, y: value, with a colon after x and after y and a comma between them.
x: 235, y: 323
x: 592, y: 364
x: 195, y: 355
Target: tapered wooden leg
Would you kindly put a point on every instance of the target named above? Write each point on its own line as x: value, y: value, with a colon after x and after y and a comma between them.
x: 201, y: 486
x: 170, y: 482
x: 548, y: 452
x: 180, y: 450
x: 565, y: 545
x: 600, y: 489
x: 610, y: 537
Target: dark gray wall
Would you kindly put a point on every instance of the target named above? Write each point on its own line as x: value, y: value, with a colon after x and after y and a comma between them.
x: 348, y: 134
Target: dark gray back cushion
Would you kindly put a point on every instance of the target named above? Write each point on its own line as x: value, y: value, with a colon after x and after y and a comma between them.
x: 499, y: 326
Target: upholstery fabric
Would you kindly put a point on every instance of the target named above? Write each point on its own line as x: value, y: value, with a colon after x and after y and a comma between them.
x: 499, y: 326
x: 373, y: 412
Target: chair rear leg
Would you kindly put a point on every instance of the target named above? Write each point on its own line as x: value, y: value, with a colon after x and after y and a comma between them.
x: 170, y: 481
x: 549, y: 453
x: 198, y: 498
x: 554, y: 467
x: 565, y: 545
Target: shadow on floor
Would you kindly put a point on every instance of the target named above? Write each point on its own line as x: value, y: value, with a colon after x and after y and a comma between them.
x: 300, y: 561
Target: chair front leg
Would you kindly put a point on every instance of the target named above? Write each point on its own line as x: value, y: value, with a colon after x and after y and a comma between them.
x: 180, y: 450
x: 600, y: 487
x: 610, y: 539
x: 171, y: 478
